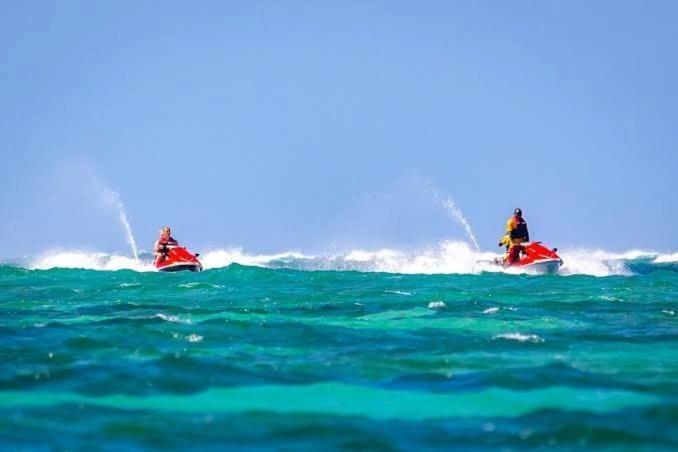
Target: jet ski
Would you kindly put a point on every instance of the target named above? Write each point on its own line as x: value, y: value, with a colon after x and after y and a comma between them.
x: 176, y: 258
x: 535, y: 257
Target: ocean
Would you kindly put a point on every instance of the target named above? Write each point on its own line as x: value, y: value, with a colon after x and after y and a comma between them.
x: 365, y: 350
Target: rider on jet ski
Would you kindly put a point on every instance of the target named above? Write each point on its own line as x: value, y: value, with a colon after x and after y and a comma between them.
x: 516, y: 233
x: 162, y: 243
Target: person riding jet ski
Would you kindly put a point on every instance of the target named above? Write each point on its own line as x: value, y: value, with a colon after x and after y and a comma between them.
x: 162, y: 243
x: 516, y: 234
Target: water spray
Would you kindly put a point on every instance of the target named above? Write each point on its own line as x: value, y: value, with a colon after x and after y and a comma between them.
x: 113, y: 198
x: 452, y: 209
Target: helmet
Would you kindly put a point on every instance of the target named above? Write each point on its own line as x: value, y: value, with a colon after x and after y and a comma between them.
x: 165, y: 229
x: 518, y: 212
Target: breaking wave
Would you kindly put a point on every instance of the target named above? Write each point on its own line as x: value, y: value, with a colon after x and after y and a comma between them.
x: 666, y: 259
x: 449, y: 257
x: 87, y: 260
x: 603, y: 263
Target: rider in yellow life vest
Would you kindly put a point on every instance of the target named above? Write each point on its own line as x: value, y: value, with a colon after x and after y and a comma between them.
x: 516, y: 233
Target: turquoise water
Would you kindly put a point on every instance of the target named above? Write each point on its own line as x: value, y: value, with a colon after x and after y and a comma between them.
x: 280, y: 358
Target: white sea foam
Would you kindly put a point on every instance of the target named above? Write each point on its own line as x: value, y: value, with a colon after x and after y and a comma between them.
x: 87, y: 261
x: 448, y: 257
x: 189, y: 285
x: 194, y: 338
x: 599, y: 262
x: 493, y: 310
x: 666, y: 258
x: 520, y: 337
x: 224, y: 258
x: 171, y: 318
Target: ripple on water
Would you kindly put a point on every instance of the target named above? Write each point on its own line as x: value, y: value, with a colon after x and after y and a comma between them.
x: 350, y: 356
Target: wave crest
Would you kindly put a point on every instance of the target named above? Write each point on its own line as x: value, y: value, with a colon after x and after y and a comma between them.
x: 88, y: 261
x: 666, y: 259
x: 449, y: 257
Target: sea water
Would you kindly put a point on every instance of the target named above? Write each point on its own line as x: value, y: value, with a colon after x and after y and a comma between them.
x: 377, y: 350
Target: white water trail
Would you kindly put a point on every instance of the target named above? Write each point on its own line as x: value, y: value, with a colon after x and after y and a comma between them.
x: 113, y: 198
x: 448, y: 257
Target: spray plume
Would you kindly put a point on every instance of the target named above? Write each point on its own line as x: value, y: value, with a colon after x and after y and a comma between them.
x: 113, y: 198
x: 452, y: 210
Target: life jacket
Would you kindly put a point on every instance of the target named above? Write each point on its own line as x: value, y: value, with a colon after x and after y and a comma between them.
x: 520, y: 231
x: 167, y: 241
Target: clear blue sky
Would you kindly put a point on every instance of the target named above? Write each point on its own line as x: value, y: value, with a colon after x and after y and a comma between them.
x: 310, y: 125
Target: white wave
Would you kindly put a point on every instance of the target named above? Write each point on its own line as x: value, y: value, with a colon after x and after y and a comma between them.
x: 126, y: 285
x: 448, y: 257
x: 399, y: 292
x: 367, y: 256
x: 445, y: 258
x: 224, y: 258
x: 666, y: 258
x: 194, y: 338
x: 608, y: 298
x: 189, y: 285
x: 87, y: 261
x: 171, y: 318
x: 520, y: 337
x: 599, y: 262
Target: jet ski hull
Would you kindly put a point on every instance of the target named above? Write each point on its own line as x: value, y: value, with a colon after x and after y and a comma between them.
x: 180, y: 267
x: 177, y: 258
x: 536, y: 258
x: 544, y: 266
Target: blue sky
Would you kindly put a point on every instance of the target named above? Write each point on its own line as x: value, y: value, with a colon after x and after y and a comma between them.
x: 315, y: 125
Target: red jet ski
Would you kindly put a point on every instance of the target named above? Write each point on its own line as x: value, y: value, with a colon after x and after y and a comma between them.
x: 176, y: 258
x: 536, y: 257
